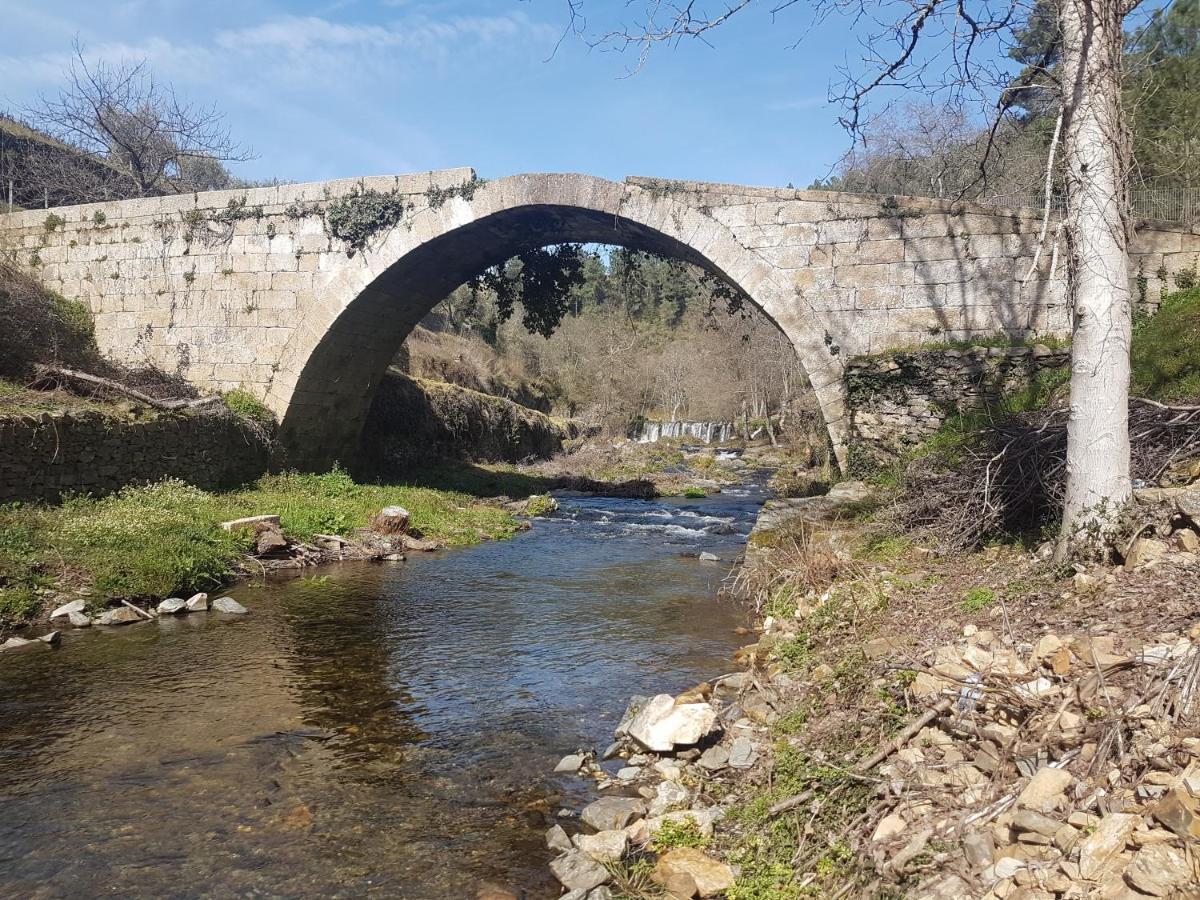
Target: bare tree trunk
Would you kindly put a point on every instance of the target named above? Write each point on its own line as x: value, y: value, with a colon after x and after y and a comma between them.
x: 1095, y: 154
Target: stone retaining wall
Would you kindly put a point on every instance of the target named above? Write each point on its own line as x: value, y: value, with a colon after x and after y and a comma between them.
x: 44, y: 457
x: 899, y: 399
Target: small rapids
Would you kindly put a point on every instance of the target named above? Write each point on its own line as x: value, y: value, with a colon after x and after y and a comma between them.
x: 379, y: 730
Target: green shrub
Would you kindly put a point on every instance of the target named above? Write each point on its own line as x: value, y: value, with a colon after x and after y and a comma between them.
x: 246, y: 404
x: 694, y: 493
x: 1165, y: 352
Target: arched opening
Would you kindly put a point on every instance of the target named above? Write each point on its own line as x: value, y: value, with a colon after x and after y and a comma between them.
x: 371, y: 309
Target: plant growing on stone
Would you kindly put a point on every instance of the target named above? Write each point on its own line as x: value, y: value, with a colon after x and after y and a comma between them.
x: 360, y: 215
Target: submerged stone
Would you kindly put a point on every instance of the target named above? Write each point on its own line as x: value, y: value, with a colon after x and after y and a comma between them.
x: 229, y: 605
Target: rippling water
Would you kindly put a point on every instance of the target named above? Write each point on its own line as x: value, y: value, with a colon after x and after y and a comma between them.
x: 381, y: 730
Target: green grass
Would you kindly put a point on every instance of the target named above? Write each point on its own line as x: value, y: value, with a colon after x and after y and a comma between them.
x: 978, y: 599
x: 164, y: 539
x: 1165, y: 352
x: 694, y: 493
x: 685, y: 833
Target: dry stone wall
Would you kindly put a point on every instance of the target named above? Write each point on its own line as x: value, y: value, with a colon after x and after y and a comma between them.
x: 897, y: 400
x: 44, y: 457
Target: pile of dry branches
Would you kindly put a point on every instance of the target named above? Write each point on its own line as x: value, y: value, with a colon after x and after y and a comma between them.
x: 1010, y: 477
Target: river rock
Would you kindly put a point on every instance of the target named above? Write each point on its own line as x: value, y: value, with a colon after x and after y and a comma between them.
x: 661, y: 725
x: 742, y: 754
x: 79, y: 620
x: 197, y: 603
x: 629, y: 773
x: 268, y: 540
x: 578, y: 872
x: 229, y: 605
x: 667, y: 796
x: 556, y: 838
x: 714, y: 759
x: 710, y: 875
x: 64, y: 611
x: 705, y: 556
x: 17, y: 643
x: 604, y: 846
x: 408, y: 542
x: 122, y: 615
x: 53, y: 638
x: 171, y: 606
x: 612, y: 813
x: 572, y: 762
x: 636, y: 704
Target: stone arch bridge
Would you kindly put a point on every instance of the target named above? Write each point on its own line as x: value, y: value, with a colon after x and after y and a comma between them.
x: 303, y: 293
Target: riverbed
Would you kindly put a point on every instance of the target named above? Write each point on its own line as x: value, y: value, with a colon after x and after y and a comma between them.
x: 369, y: 729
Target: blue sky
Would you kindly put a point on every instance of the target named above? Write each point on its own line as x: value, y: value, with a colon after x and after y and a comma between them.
x: 361, y: 87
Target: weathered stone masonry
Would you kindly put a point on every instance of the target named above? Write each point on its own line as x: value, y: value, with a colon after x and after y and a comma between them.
x: 44, y: 457
x: 250, y: 288
x: 897, y: 400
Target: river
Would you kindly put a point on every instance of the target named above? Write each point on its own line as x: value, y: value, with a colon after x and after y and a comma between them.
x: 368, y: 730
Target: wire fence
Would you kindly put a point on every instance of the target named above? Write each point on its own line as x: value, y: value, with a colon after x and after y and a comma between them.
x: 1175, y: 204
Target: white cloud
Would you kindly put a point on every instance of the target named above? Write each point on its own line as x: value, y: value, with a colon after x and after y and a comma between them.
x: 298, y: 34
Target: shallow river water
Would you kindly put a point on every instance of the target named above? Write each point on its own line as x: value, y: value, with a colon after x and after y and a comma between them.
x: 378, y: 730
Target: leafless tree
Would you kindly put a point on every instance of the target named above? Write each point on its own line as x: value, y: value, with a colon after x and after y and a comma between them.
x: 956, y: 50
x: 122, y: 114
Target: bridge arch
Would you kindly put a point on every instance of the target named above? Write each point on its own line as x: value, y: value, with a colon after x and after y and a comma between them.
x: 335, y: 358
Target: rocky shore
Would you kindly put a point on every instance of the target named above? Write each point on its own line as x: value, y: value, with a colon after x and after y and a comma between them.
x: 922, y: 727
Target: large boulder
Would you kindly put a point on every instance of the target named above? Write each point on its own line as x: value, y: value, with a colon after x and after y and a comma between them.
x: 662, y: 724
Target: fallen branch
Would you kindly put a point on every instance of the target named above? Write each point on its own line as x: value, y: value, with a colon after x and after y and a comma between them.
x: 109, y: 384
x: 904, y: 736
x: 139, y: 611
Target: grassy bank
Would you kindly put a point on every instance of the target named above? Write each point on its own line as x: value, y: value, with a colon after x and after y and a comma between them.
x: 165, y: 539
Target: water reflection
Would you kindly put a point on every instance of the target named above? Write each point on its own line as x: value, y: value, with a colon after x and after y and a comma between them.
x: 385, y: 731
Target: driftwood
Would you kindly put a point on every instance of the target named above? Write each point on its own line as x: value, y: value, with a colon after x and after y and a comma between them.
x: 141, y: 612
x: 109, y: 384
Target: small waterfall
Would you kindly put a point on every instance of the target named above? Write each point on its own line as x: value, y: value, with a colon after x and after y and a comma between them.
x: 705, y: 432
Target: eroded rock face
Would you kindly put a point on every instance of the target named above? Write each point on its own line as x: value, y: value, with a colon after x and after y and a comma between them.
x: 662, y: 725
